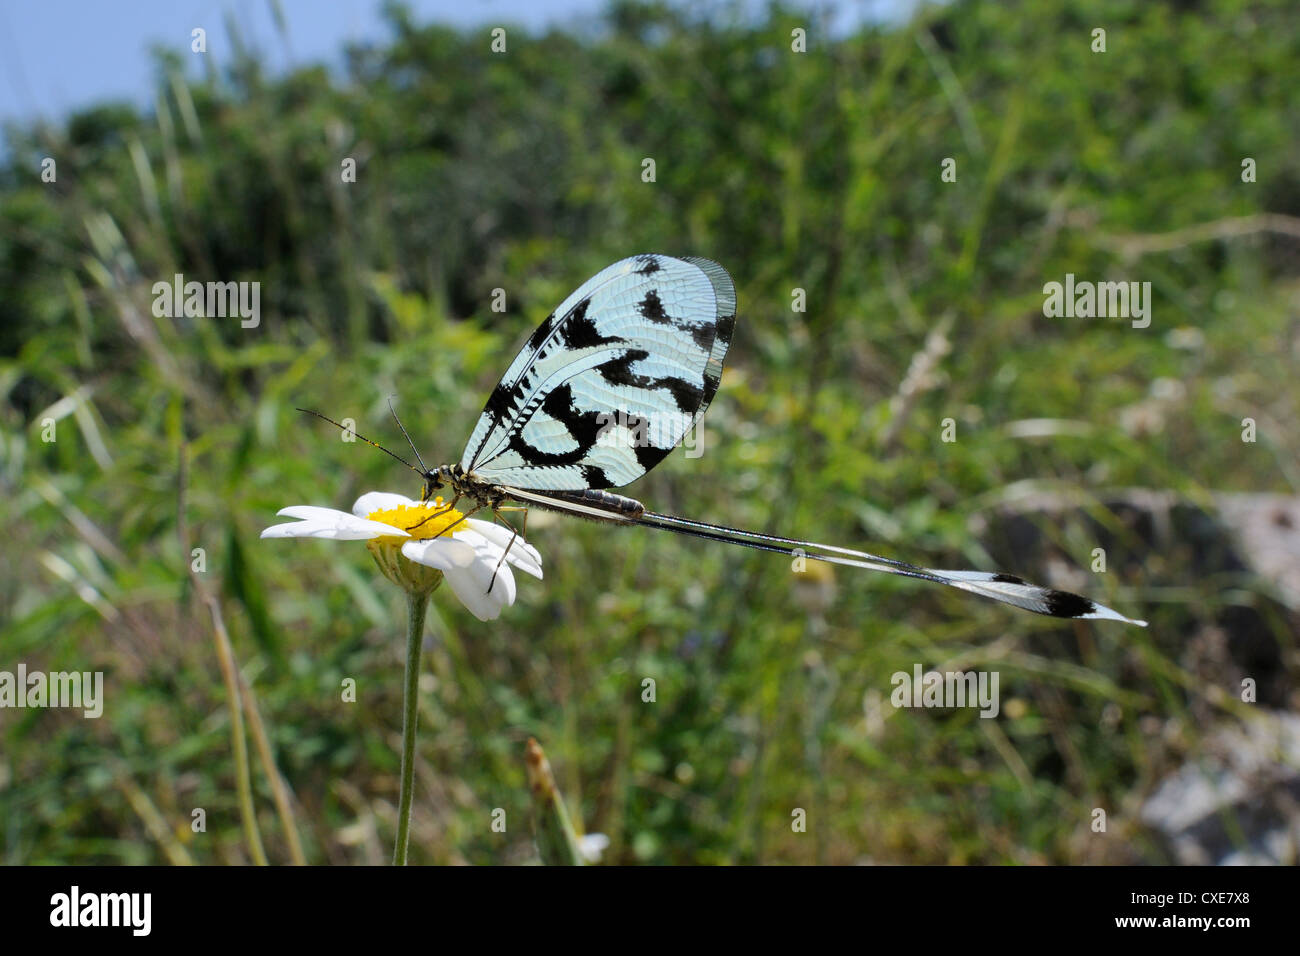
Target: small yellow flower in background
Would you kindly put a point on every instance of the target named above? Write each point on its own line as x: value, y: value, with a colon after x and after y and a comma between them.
x: 417, y: 544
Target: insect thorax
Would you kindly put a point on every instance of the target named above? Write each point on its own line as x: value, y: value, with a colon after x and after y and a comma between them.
x: 462, y: 485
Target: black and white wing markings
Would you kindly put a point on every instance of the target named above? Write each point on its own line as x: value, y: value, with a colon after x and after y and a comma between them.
x: 611, y: 381
x: 725, y: 292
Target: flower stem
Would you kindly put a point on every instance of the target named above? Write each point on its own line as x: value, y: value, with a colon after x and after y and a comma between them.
x: 557, y: 844
x: 416, y: 606
x: 239, y: 745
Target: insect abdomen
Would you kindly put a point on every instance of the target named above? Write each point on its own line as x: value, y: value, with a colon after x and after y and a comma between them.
x: 606, y: 501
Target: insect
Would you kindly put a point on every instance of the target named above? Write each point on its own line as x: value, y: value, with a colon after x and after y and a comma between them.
x: 609, y: 384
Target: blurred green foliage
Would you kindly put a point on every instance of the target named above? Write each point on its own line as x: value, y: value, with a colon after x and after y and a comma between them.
x: 522, y: 171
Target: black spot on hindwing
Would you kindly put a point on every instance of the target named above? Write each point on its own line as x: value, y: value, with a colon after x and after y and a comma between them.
x: 1065, y: 604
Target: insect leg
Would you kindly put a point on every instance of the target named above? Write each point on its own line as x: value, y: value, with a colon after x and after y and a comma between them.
x: 496, y: 513
x: 465, y: 517
x: 437, y: 514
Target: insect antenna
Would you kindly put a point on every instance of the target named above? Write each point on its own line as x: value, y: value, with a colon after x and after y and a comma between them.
x: 420, y: 471
x: 406, y: 436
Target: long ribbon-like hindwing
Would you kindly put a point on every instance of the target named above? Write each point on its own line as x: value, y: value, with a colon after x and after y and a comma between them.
x: 1005, y: 588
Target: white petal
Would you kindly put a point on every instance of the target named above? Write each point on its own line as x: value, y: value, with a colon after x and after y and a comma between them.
x: 294, y: 529
x: 373, y: 501
x: 500, y: 536
x: 489, y: 550
x: 505, y: 577
x: 471, y: 583
x: 488, y: 566
x: 484, y: 606
x: 328, y: 523
x: 592, y: 845
x: 521, y: 554
x: 441, y: 553
x: 524, y: 564
x: 307, y: 512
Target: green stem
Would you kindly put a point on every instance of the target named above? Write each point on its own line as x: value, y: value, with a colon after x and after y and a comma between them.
x: 243, y: 779
x: 416, y: 605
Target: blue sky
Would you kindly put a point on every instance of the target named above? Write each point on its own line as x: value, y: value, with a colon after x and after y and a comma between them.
x: 57, y: 55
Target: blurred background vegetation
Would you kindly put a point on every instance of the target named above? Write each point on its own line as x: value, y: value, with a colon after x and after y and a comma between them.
x: 522, y: 171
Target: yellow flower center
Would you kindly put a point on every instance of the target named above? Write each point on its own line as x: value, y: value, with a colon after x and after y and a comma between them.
x: 422, y: 521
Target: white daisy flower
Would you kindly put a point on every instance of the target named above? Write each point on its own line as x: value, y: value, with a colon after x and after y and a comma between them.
x: 418, y: 544
x: 592, y: 846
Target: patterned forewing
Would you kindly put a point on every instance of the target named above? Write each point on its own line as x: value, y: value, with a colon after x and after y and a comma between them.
x: 724, y: 291
x: 611, y: 381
